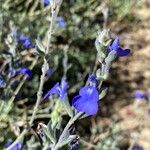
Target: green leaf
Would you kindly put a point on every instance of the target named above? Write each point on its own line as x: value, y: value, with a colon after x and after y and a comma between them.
x: 103, y: 93
x: 111, y: 56
x: 98, y: 73
x: 41, y: 48
x: 49, y: 132
x: 68, y: 140
x: 68, y: 107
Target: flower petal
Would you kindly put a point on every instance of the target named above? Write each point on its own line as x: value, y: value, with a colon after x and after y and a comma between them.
x: 23, y: 38
x: 75, y: 99
x: 121, y: 52
x: 90, y: 108
x: 89, y: 92
x: 115, y: 44
x: 27, y: 44
x: 54, y: 90
x: 82, y: 104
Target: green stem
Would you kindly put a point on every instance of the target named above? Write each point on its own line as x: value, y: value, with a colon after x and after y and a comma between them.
x: 71, y: 121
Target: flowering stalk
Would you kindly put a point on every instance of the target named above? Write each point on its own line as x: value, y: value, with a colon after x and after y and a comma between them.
x: 55, y: 9
x: 86, y: 102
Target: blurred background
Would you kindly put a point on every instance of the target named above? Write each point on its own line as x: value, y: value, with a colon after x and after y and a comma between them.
x: 123, y: 120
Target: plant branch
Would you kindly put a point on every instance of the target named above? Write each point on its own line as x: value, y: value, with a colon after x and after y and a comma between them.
x: 54, y: 11
x: 71, y: 121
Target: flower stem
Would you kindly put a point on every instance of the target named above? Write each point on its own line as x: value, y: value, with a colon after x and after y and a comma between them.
x: 39, y: 93
x: 71, y: 121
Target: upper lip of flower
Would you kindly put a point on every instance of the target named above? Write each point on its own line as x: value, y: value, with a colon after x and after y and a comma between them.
x: 60, y: 89
x: 116, y: 47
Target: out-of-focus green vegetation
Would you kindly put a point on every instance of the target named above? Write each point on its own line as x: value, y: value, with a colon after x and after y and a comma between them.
x: 83, y: 19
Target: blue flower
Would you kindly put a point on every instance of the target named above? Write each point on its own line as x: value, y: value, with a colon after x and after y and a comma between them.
x: 24, y: 71
x: 46, y: 2
x: 115, y: 46
x: 18, y: 146
x: 140, y: 95
x: 61, y: 22
x: 59, y: 89
x: 87, y: 100
x: 26, y: 42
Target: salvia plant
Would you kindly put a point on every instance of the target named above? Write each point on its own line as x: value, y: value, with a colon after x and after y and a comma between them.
x: 57, y: 134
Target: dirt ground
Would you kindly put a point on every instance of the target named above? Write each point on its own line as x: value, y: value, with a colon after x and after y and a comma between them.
x: 135, y: 116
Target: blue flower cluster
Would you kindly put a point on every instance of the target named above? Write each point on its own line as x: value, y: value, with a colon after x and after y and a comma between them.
x: 87, y: 99
x: 26, y: 42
